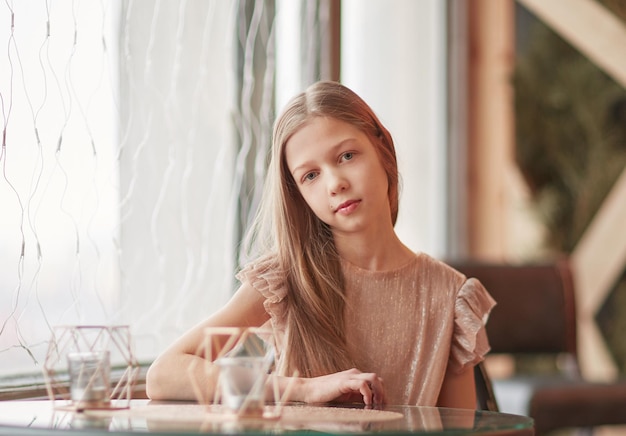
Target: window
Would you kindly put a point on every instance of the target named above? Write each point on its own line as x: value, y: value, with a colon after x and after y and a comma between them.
x: 136, y: 140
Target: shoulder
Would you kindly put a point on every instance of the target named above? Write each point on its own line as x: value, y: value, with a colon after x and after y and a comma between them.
x: 266, y: 276
x: 438, y: 270
x: 262, y: 269
x: 472, y: 307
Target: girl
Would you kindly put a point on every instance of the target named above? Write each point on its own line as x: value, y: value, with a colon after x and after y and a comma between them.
x: 350, y: 304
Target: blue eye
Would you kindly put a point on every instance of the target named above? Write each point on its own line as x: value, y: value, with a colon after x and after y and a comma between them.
x: 347, y: 156
x: 309, y: 176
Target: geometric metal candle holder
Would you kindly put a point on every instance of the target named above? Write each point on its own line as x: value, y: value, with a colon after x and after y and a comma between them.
x: 77, y: 368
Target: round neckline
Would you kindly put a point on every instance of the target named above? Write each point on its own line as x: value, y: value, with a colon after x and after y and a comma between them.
x: 409, y: 263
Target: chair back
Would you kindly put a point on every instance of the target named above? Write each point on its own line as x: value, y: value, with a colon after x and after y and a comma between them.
x: 535, y: 311
x: 485, y: 395
x: 536, y: 314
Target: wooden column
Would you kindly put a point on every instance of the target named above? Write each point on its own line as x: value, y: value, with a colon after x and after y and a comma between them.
x: 490, y: 125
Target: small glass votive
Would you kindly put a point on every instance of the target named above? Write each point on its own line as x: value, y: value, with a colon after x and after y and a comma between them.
x: 90, y: 379
x: 242, y: 383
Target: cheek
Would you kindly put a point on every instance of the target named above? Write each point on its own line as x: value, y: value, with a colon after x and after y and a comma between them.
x: 380, y: 184
x: 317, y: 202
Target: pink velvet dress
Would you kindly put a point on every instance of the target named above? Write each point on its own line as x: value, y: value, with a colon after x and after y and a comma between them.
x: 408, y: 325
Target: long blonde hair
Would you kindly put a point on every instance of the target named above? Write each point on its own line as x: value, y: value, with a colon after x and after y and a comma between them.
x: 302, y: 244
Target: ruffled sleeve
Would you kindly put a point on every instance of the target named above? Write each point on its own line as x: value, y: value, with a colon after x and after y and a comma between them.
x: 265, y: 276
x: 471, y: 311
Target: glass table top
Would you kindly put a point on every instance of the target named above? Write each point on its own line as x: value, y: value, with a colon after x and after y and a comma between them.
x: 183, y: 418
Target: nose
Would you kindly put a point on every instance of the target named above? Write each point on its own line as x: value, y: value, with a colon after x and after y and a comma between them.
x: 337, y: 183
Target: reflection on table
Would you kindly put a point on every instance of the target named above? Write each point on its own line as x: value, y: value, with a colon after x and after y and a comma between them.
x: 143, y: 416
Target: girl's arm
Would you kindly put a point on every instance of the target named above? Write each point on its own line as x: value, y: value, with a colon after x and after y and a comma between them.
x: 458, y: 390
x: 346, y: 386
x: 168, y: 377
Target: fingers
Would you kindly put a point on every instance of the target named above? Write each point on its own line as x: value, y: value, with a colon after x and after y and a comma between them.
x: 377, y: 391
x: 369, y: 385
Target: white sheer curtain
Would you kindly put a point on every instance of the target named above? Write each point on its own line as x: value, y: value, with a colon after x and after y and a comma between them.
x: 135, y: 138
x: 59, y: 184
x: 178, y: 205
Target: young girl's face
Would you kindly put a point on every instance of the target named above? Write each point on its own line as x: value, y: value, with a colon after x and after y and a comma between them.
x: 339, y: 174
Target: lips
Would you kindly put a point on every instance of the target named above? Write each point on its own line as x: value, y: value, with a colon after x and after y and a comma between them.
x: 347, y: 206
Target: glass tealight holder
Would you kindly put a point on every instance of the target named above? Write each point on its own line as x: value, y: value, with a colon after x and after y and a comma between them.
x: 242, y: 384
x: 90, y: 378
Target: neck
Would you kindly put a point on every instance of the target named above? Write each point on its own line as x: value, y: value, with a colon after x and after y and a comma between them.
x: 375, y: 252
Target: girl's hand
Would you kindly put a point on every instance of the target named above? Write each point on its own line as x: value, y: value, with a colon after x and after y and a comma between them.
x: 345, y: 386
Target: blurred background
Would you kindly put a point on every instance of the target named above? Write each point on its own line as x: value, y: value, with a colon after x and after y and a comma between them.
x: 136, y: 137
